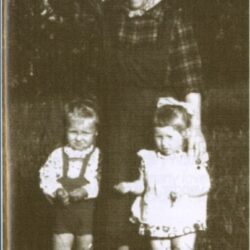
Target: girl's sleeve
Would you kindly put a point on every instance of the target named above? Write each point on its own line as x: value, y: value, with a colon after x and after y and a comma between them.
x: 50, y: 172
x: 197, y: 181
x: 94, y: 176
x: 137, y: 187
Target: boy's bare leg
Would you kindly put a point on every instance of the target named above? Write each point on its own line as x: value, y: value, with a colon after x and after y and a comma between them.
x: 123, y: 247
x: 84, y: 242
x: 185, y: 242
x: 158, y: 244
x: 63, y: 241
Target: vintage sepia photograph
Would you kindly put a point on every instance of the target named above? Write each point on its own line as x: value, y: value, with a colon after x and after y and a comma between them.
x: 125, y: 125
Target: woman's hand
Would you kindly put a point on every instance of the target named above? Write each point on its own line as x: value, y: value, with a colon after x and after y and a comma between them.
x: 78, y: 194
x: 122, y: 187
x: 197, y: 146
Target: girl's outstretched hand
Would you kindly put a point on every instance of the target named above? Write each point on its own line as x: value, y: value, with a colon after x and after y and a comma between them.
x: 63, y: 196
x: 78, y: 194
x: 122, y: 187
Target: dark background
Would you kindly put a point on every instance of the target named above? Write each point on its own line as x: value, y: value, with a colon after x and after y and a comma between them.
x: 49, y: 61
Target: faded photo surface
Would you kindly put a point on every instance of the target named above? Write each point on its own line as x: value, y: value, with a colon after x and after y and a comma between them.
x: 127, y: 125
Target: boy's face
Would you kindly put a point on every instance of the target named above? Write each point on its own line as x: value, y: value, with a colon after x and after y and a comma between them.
x: 81, y: 133
x: 136, y: 4
x: 168, y: 140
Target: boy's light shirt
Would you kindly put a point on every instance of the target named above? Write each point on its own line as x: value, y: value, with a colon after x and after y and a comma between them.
x: 52, y: 170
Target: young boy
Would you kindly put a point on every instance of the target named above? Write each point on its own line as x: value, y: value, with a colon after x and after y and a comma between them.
x: 70, y: 178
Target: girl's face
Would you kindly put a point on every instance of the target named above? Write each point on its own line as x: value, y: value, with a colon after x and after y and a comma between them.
x: 168, y: 140
x: 81, y: 133
x: 136, y: 4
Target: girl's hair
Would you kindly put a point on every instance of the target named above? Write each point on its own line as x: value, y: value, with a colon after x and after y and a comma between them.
x: 81, y: 108
x: 168, y: 114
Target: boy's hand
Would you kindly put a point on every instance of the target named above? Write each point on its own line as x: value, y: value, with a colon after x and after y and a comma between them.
x: 122, y: 187
x: 63, y: 196
x: 78, y: 194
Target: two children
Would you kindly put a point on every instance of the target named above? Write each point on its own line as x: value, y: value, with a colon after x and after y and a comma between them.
x: 172, y: 187
x: 70, y: 178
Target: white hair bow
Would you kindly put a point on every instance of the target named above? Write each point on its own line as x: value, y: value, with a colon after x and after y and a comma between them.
x: 162, y: 101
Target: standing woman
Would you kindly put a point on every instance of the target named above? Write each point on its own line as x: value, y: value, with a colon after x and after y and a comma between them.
x: 151, y: 52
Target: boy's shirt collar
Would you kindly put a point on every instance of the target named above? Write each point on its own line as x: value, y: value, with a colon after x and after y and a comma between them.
x: 72, y: 153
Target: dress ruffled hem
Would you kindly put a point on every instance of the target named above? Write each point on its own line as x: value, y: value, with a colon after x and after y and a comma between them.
x: 160, y: 231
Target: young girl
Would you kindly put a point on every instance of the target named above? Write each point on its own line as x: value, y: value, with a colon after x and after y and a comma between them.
x: 172, y: 186
x: 70, y: 178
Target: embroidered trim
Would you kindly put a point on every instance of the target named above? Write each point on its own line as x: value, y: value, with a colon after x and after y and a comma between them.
x: 169, y: 232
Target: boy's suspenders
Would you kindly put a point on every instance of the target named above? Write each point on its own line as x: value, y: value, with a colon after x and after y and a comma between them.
x: 70, y: 184
x: 84, y: 163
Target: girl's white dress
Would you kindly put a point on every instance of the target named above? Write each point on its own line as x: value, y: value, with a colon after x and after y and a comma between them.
x: 174, y: 195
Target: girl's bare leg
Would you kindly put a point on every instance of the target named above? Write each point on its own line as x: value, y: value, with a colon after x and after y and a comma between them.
x: 185, y: 242
x: 84, y: 242
x: 63, y: 241
x: 158, y: 244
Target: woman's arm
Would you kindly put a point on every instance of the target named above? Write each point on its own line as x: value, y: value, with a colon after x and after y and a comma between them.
x: 196, y: 141
x: 186, y: 73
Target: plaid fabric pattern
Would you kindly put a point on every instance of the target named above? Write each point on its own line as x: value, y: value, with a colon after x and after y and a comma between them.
x: 140, y: 30
x: 185, y: 61
x: 184, y: 67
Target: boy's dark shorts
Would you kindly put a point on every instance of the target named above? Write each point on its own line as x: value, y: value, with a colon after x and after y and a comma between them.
x: 77, y: 220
